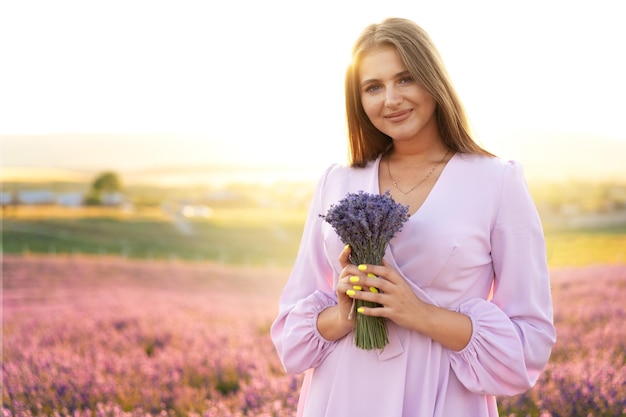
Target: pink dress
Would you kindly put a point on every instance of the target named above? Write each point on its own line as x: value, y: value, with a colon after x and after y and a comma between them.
x: 475, y: 246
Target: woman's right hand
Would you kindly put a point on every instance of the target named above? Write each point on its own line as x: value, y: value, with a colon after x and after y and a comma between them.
x: 337, y: 321
x: 346, y: 303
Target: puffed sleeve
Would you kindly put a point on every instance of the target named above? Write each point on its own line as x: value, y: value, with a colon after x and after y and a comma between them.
x: 513, y: 333
x: 308, y: 291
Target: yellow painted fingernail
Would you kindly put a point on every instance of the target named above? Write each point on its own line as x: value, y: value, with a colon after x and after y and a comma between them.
x: 354, y: 278
x: 350, y: 293
x: 372, y: 289
x: 357, y: 287
x: 346, y: 247
x: 370, y: 275
x: 362, y: 267
x: 360, y: 309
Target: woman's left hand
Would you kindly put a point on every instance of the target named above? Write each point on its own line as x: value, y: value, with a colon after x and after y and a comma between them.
x: 399, y: 302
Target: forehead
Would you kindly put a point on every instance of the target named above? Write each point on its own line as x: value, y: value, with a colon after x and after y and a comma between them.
x: 381, y: 62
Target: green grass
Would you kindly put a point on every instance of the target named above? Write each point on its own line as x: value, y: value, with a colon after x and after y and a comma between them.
x: 270, y: 243
x: 254, y: 237
x: 586, y: 247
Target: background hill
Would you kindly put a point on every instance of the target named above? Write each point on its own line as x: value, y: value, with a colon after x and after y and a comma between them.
x: 156, y: 159
x: 195, y: 159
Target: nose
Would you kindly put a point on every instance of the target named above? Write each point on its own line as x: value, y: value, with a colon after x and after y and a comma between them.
x: 392, y: 97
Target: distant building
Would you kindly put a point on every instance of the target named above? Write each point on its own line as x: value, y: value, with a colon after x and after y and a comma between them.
x: 70, y: 199
x: 6, y: 198
x: 34, y: 197
x: 66, y: 199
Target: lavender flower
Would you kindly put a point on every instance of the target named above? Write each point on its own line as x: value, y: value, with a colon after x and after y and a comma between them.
x: 367, y: 222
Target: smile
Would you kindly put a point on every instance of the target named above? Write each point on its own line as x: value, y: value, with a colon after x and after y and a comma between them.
x: 399, y: 116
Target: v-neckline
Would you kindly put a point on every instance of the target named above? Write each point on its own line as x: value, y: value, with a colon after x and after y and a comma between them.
x: 430, y: 193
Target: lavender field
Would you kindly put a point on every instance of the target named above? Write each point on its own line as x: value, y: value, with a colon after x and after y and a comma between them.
x: 113, y: 337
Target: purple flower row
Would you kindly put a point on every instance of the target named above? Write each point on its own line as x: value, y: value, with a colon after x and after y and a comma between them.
x: 88, y: 338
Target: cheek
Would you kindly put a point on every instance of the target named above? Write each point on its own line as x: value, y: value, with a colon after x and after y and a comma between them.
x: 371, y: 107
x: 426, y: 99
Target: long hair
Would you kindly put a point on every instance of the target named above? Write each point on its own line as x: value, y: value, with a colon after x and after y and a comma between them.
x: 422, y: 60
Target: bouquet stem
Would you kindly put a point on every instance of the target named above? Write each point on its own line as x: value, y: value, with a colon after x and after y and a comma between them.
x: 370, y: 332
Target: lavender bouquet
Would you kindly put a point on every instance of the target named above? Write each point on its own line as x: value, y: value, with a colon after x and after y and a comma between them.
x: 367, y: 222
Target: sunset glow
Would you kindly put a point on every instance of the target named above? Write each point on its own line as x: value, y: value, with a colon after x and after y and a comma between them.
x: 262, y: 82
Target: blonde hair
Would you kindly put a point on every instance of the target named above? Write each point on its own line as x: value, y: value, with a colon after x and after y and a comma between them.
x: 425, y: 65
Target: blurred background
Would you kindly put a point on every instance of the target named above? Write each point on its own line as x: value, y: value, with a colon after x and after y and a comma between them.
x: 190, y: 107
x: 158, y: 159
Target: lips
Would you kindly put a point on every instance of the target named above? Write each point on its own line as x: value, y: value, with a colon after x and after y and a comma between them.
x: 398, y: 116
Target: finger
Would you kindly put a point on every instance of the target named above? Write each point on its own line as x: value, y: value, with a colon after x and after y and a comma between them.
x: 370, y: 281
x: 347, y: 283
x: 365, y: 293
x: 377, y: 270
x: 344, y: 256
x: 384, y: 272
x: 371, y: 311
x: 358, y: 283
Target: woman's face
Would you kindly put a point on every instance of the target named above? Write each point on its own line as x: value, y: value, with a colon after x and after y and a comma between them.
x: 393, y: 101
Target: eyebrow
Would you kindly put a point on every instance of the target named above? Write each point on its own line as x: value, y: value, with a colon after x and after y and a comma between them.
x: 375, y: 80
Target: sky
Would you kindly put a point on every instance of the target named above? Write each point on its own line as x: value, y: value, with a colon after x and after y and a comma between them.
x: 261, y: 82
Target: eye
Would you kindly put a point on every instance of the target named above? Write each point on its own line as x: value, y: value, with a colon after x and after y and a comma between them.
x: 372, y: 88
x: 407, y: 79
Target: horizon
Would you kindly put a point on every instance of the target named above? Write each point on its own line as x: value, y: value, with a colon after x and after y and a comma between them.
x: 561, y: 158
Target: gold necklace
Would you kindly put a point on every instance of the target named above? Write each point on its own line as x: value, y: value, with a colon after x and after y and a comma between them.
x: 395, y: 183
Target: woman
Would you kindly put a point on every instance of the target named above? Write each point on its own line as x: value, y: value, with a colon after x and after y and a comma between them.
x: 464, y: 286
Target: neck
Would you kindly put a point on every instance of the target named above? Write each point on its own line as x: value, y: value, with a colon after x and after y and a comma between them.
x: 417, y: 152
